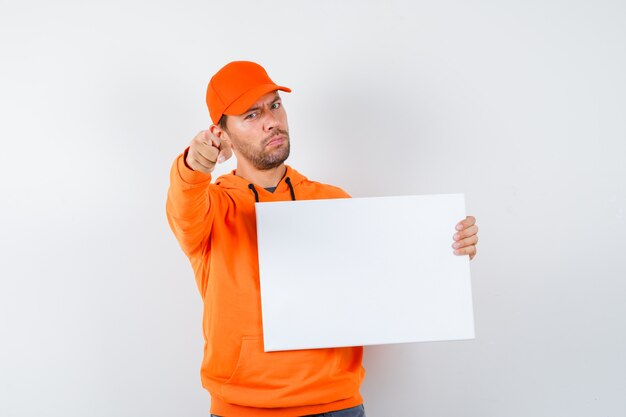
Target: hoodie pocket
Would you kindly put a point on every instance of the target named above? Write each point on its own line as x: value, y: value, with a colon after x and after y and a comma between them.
x: 289, y: 378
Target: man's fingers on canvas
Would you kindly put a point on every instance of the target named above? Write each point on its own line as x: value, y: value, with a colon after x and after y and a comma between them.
x: 470, y: 231
x: 468, y: 250
x: 472, y: 240
x: 467, y: 222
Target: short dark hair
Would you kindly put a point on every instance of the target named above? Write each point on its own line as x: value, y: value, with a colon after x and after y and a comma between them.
x: 222, y: 122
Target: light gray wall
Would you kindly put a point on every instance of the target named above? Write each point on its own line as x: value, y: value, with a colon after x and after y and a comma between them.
x: 521, y: 105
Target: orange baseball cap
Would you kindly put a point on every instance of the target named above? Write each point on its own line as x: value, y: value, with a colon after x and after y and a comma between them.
x: 235, y: 87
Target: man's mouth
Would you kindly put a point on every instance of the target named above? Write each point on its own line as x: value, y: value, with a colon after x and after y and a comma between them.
x: 276, y: 140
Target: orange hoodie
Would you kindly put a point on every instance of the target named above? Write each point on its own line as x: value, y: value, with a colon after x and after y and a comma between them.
x: 215, y: 225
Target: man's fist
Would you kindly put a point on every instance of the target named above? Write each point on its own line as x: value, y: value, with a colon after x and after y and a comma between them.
x: 205, y: 150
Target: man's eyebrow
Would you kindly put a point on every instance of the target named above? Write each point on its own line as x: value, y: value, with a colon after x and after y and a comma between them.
x: 276, y: 98
x: 259, y: 107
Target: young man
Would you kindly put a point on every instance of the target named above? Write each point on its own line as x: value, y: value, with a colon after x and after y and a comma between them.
x: 215, y: 226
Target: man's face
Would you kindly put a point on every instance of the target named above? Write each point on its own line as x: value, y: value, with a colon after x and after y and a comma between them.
x: 261, y: 135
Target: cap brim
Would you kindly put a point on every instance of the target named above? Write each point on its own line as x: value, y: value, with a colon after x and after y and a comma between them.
x: 247, y: 99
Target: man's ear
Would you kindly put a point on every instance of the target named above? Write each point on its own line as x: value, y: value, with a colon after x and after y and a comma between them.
x: 218, y: 131
x: 222, y: 134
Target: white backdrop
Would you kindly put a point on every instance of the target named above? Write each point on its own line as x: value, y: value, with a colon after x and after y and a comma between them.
x: 521, y: 105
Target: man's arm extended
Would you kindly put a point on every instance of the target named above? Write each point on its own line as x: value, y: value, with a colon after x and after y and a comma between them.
x: 188, y: 199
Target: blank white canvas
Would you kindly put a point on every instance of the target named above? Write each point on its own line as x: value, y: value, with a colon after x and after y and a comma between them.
x: 362, y: 271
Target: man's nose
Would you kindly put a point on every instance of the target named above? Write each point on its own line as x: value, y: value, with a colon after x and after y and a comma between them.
x: 270, y: 121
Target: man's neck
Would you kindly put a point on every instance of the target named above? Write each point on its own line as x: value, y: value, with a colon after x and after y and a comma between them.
x: 264, y: 178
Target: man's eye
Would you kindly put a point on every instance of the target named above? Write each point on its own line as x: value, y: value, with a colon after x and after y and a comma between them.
x: 250, y: 116
x: 276, y: 105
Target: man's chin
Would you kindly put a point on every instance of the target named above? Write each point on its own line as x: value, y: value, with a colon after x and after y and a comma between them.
x: 271, y: 163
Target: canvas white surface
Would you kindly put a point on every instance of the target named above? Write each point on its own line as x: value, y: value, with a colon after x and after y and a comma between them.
x: 362, y: 271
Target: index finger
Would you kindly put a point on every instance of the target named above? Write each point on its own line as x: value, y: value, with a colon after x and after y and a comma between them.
x: 210, y: 139
x: 225, y: 152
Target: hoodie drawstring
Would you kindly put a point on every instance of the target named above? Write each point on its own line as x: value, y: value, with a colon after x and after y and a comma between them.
x: 293, y: 194
x: 287, y: 180
x: 256, y: 194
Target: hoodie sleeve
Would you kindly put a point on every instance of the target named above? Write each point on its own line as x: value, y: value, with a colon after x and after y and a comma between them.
x: 188, y: 207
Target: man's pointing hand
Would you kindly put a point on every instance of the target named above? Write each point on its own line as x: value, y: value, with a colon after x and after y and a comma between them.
x: 205, y: 150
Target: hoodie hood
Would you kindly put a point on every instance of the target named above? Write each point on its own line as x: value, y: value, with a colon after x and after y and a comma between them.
x: 287, y: 184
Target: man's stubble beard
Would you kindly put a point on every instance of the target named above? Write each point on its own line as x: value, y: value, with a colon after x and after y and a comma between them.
x: 263, y: 159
